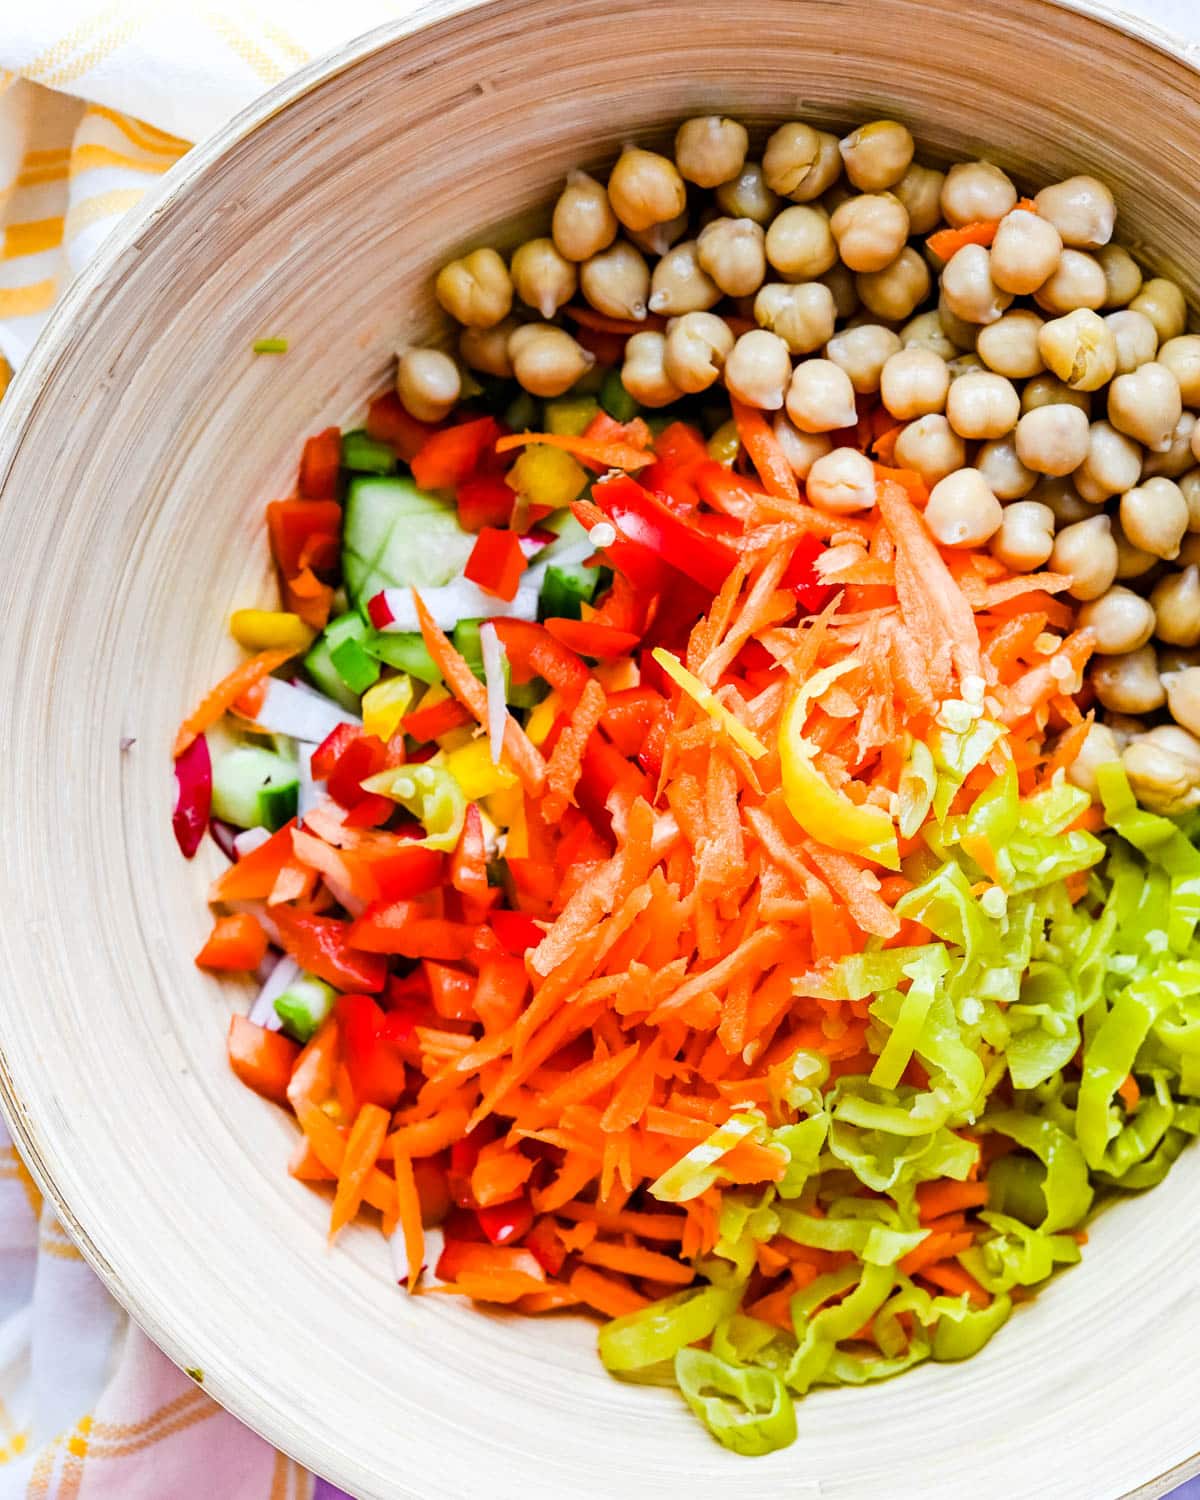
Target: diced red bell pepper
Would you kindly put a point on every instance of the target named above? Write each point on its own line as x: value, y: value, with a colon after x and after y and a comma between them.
x: 629, y: 716
x: 605, y: 772
x: 440, y: 718
x: 452, y: 454
x: 388, y: 422
x: 460, y: 1258
x: 496, y: 562
x: 641, y: 565
x: 468, y: 863
x: 464, y: 1157
x: 406, y: 872
x: 533, y: 878
x: 516, y: 930
x: 544, y: 1244
x: 331, y: 749
x: 681, y: 447
x: 433, y: 1189
x: 319, y: 465
x: 262, y: 1059
x: 364, y: 756
x: 321, y: 945
x: 453, y: 991
x: 305, y: 595
x: 507, y: 1223
x: 533, y: 652
x: 643, y: 518
x: 802, y: 577
x: 404, y: 927
x: 500, y: 994
x: 593, y: 638
x: 236, y: 944
x: 376, y: 1069
x: 609, y: 348
x: 484, y: 500
x: 297, y: 525
x: 371, y: 811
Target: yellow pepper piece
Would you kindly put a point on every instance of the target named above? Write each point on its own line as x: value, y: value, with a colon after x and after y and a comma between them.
x: 541, y: 719
x: 827, y: 814
x: 385, y: 704
x: 710, y: 703
x: 547, y: 476
x: 268, y: 629
x: 471, y: 766
x: 507, y: 810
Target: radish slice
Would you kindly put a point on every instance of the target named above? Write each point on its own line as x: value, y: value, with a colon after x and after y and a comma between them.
x: 225, y: 836
x: 394, y: 611
x: 300, y: 713
x: 493, y: 679
x: 247, y: 840
x: 193, y: 796
x: 262, y: 1012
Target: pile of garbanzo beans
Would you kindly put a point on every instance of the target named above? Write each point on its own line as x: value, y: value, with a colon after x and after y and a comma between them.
x: 1048, y: 392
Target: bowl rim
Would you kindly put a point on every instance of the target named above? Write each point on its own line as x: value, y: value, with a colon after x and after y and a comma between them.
x: 55, y: 340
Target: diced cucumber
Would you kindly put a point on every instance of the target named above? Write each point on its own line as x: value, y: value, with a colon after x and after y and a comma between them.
x: 396, y: 536
x: 303, y: 1006
x: 566, y: 590
x: 255, y: 788
x: 570, y: 416
x: 522, y: 414
x: 357, y: 668
x: 366, y: 455
x: 326, y: 678
x: 527, y: 694
x: 405, y: 651
x: 589, y: 382
x: 616, y: 400
x: 465, y: 637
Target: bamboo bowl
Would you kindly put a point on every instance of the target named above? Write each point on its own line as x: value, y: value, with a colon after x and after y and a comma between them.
x: 136, y: 451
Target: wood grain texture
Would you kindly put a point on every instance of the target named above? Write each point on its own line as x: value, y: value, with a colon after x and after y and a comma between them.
x: 136, y: 451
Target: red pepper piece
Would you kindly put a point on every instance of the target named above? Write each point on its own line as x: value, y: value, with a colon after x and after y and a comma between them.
x: 364, y: 756
x: 593, y: 638
x: 464, y: 1157
x: 331, y: 749
x: 646, y: 520
x: 388, y: 422
x: 453, y: 991
x: 507, y: 1223
x: 404, y: 927
x: 468, y: 867
x: 543, y: 1243
x: 319, y: 465
x: 262, y: 1059
x: 372, y: 811
x: 292, y: 526
x: 193, y: 796
x: 376, y: 1069
x: 496, y: 562
x: 533, y: 652
x: 607, y: 772
x: 802, y: 577
x: 404, y: 873
x: 516, y: 930
x: 629, y: 715
x: 449, y: 456
x: 484, y: 500
x: 501, y: 991
x: 321, y: 945
x: 428, y: 723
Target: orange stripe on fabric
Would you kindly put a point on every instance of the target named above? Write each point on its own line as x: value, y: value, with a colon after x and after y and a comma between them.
x: 20, y: 301
x: 148, y: 137
x: 101, y: 1450
x: 117, y: 1432
x: 279, y: 1478
x: 85, y: 158
x: 31, y: 238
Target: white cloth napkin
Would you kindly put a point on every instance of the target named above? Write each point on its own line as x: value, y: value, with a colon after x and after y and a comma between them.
x: 97, y: 101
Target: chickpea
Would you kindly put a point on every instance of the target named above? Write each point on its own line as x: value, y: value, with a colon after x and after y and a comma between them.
x: 1100, y: 748
x: 801, y: 449
x: 733, y: 253
x: 1026, y: 536
x: 841, y: 285
x: 1077, y: 281
x: 584, y: 223
x: 1181, y: 355
x: 1176, y: 459
x: 428, y: 384
x: 1176, y: 601
x: 1049, y: 390
x: 486, y: 349
x: 1146, y: 405
x: 1080, y: 349
x: 931, y: 448
x: 1009, y: 346
x: 1124, y: 727
x: 1087, y: 554
x: 925, y: 331
x: 870, y: 230
x: 1132, y: 562
x: 475, y: 289
x: 842, y: 480
x: 757, y: 369
x: 1122, y: 275
x: 679, y: 285
x: 1025, y: 252
x: 644, y: 373
x: 976, y: 190
x: 710, y: 150
x: 1128, y: 683
x: 1183, y: 697
x: 659, y: 238
x: 877, y: 155
x: 1112, y: 464
x: 546, y: 360
x: 965, y: 364
x: 968, y: 289
x: 800, y: 242
x: 1154, y: 516
x: 1189, y: 551
x: 862, y: 352
x: 1163, y: 303
x: 1053, y: 439
x: 895, y: 292
x: 1120, y: 620
x: 1189, y: 488
x: 920, y: 190
x: 747, y: 196
x: 617, y: 281
x: 913, y: 383
x: 645, y: 188
x: 1137, y: 339
x: 1196, y: 442
x: 820, y: 397
x: 1081, y: 209
x: 962, y: 511
x: 697, y: 347
x: 1058, y: 494
x: 1007, y: 476
x: 802, y: 314
x: 962, y: 335
x: 801, y: 162
x: 1163, y: 767
x: 542, y: 277
x: 983, y: 406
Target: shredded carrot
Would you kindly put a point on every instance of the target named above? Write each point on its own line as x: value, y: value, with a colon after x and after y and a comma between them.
x: 1130, y: 1093
x: 218, y: 700
x: 608, y: 455
x: 947, y: 242
x: 409, y: 1205
x: 588, y: 317
x: 611, y: 1295
x: 955, y: 1279
x: 363, y: 1147
x: 566, y: 759
x: 766, y: 454
x: 936, y: 1199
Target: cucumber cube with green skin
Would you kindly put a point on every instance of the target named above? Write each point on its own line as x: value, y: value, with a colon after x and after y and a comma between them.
x: 466, y: 641
x: 326, y: 678
x: 365, y: 455
x: 304, y: 1006
x: 523, y: 413
x: 616, y: 400
x: 565, y: 592
x: 255, y: 788
x: 396, y: 536
x: 356, y: 667
x: 406, y: 651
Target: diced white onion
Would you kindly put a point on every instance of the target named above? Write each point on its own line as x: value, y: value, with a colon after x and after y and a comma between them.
x: 460, y: 600
x: 249, y: 839
x: 493, y: 679
x: 262, y: 1012
x: 301, y: 713
x: 310, y: 792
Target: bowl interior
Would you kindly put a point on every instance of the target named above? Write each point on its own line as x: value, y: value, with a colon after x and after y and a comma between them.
x: 136, y: 454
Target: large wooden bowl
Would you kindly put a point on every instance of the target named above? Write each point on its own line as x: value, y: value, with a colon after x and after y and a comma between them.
x: 137, y: 449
